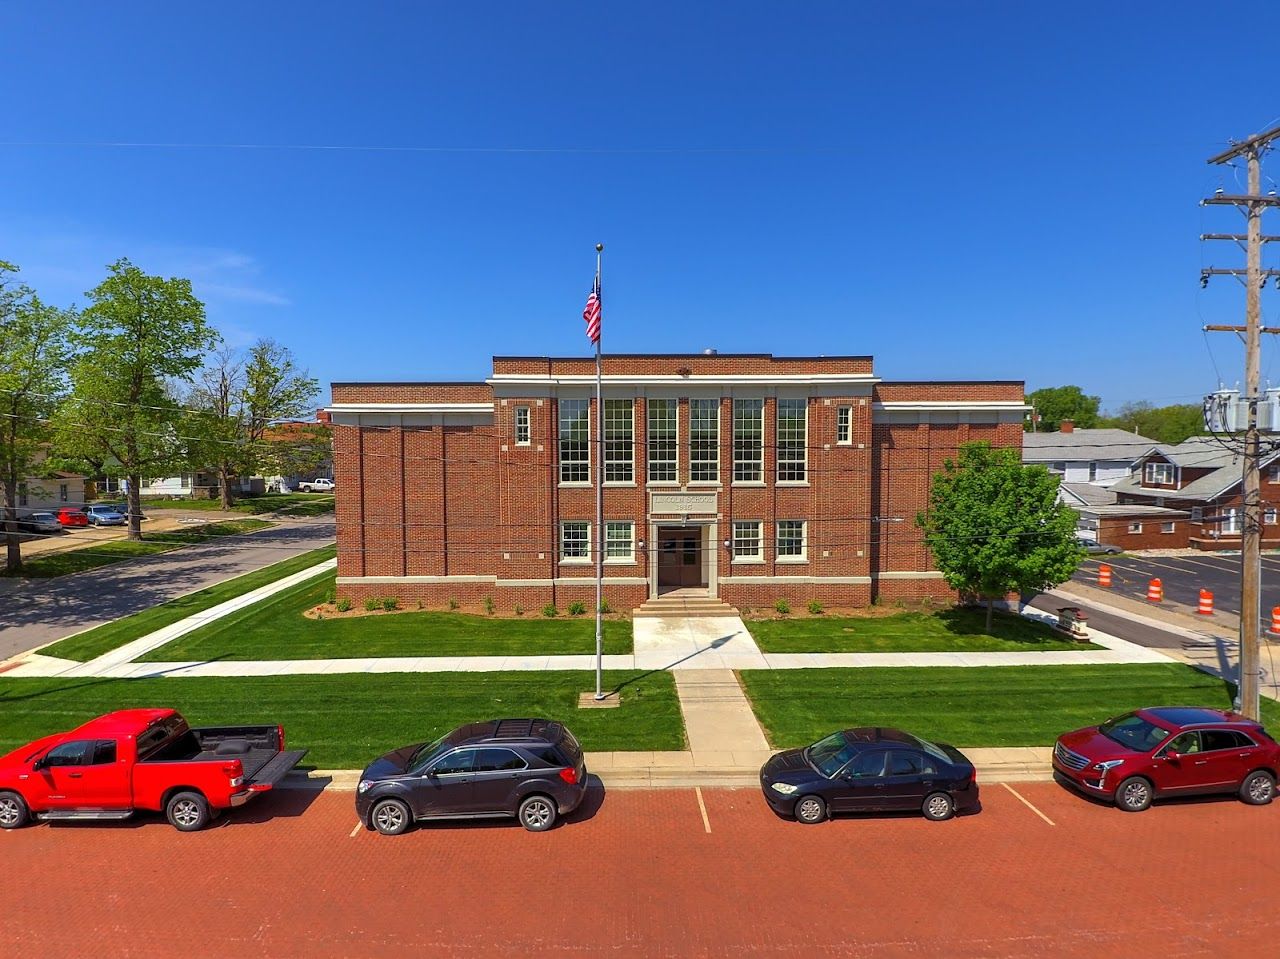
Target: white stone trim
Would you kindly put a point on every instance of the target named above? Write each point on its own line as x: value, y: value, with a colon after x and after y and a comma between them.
x: 951, y: 405
x: 653, y: 379
x: 812, y: 580
x: 359, y: 580
x: 410, y: 408
x: 912, y: 574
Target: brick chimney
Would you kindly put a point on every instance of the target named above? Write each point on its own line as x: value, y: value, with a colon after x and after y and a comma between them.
x: 1067, y: 426
x: 323, y: 416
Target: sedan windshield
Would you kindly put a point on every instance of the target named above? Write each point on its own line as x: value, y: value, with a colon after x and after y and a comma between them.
x: 829, y: 755
x: 1133, y: 732
x: 424, y: 752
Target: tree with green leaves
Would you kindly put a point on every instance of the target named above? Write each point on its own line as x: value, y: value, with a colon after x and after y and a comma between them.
x: 35, y: 347
x: 1167, y: 424
x: 995, y: 526
x: 141, y: 338
x: 1053, y: 404
x: 239, y: 397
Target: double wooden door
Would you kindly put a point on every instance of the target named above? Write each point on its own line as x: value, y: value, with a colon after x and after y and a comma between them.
x: 679, y: 558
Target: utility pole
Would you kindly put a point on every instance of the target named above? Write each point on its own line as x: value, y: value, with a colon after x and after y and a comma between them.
x: 1251, y: 205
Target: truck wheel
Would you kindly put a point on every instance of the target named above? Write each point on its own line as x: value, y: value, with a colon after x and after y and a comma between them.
x: 391, y: 817
x: 13, y: 811
x: 187, y: 811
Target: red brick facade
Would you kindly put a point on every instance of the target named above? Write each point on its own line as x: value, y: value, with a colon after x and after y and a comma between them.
x: 439, y: 499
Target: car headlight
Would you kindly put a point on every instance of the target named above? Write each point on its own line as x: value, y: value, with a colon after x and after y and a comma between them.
x: 785, y: 788
x: 364, y: 786
x: 1108, y: 764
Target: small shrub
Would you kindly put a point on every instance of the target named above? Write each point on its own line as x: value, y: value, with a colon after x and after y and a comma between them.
x: 899, y: 604
x: 782, y: 606
x: 344, y: 604
x: 319, y: 615
x: 488, y: 605
x: 390, y: 603
x: 419, y: 604
x: 550, y: 611
x: 453, y: 604
x: 815, y: 607
x: 330, y: 595
x: 519, y: 610
x: 577, y: 609
x: 927, y: 602
x: 604, y: 607
x: 371, y: 604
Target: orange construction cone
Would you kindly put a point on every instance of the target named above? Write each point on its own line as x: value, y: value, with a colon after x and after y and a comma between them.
x: 1206, y: 603
x: 1155, y: 591
x: 1104, y: 575
x: 1275, y: 621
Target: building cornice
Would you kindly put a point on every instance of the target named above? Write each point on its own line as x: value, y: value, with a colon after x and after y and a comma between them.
x: 664, y: 379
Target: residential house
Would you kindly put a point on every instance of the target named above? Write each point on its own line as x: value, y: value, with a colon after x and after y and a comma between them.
x: 1098, y: 457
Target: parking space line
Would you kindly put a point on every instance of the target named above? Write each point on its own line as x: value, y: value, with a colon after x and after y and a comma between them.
x: 355, y: 831
x: 702, y: 806
x: 1026, y: 803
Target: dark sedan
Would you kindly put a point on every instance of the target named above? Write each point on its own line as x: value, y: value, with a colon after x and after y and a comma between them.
x: 532, y: 769
x: 869, y: 770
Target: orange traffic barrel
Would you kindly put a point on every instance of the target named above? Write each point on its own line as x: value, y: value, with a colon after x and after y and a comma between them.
x: 1104, y: 575
x: 1206, y: 603
x: 1155, y: 591
x: 1275, y: 621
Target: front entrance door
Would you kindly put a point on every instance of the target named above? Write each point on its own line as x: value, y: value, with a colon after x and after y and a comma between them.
x: 679, y: 558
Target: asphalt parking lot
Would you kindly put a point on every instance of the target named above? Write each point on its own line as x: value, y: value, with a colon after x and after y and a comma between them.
x: 1039, y: 872
x: 1184, y: 576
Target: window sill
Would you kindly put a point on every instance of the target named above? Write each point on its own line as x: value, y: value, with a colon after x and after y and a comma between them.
x: 705, y: 484
x: 792, y: 483
x: 620, y: 562
x: 792, y: 560
x: 576, y: 561
x: 575, y: 484
x: 619, y: 484
x: 746, y: 561
x: 663, y: 484
x: 757, y: 484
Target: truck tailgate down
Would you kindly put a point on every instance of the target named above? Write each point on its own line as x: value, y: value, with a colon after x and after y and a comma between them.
x: 275, y: 769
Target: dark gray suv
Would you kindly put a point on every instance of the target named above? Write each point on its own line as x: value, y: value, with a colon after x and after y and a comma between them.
x: 532, y: 769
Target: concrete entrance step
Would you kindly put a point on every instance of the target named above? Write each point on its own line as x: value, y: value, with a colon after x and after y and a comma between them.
x: 684, y: 606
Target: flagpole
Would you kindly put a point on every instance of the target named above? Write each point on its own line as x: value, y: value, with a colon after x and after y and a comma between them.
x: 599, y: 496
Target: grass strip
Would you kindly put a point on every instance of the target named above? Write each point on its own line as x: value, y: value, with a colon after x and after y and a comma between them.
x: 946, y: 630
x: 345, y: 721
x: 972, y: 706
x: 276, y: 629
x: 113, y: 551
x: 102, y: 639
x: 286, y: 504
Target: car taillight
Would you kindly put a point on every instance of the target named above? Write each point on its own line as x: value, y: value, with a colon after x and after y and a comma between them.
x: 280, y: 737
x: 570, y: 776
x: 234, y: 771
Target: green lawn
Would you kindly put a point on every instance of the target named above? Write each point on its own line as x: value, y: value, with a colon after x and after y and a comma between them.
x: 113, y: 551
x: 345, y: 721
x: 972, y: 706
x: 947, y: 630
x: 276, y: 629
x: 287, y: 504
x: 102, y: 639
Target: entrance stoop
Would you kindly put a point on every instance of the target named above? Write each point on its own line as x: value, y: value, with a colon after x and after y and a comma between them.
x: 670, y: 605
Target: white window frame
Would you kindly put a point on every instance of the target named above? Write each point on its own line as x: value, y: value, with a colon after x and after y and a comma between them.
x: 704, y: 470
x: 743, y: 532
x: 619, y: 453
x: 844, y: 425
x: 585, y: 540
x: 523, y: 431
x: 1169, y: 527
x: 1230, y: 524
x: 1269, y: 516
x: 800, y: 557
x: 63, y: 492
x: 610, y: 541
x: 670, y: 442
x: 1274, y: 475
x: 580, y: 460
x: 1135, y: 527
x: 748, y: 451
x: 791, y: 455
x: 1149, y: 471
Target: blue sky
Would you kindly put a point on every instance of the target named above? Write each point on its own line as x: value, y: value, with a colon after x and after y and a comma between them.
x: 961, y: 190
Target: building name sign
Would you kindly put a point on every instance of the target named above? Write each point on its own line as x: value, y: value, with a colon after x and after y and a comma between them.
x: 682, y: 503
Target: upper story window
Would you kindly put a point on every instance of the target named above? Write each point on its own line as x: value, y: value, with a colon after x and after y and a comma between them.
x: 748, y: 544
x: 575, y: 441
x: 1158, y: 474
x: 522, y: 426
x: 663, y: 444
x: 748, y: 441
x: 704, y: 441
x: 792, y: 440
x: 1274, y: 475
x: 619, y: 442
x: 844, y: 425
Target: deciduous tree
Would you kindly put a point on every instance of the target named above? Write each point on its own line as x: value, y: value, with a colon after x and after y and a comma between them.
x: 1053, y: 404
x: 995, y: 527
x: 1168, y: 424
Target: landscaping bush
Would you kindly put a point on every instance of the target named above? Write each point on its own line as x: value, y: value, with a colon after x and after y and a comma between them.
x: 550, y: 611
x: 519, y: 610
x: 604, y: 607
x: 371, y: 604
x: 782, y: 606
x: 344, y: 604
x: 330, y: 595
x: 453, y: 604
x: 815, y: 607
x: 390, y: 603
x: 488, y: 605
x: 577, y: 609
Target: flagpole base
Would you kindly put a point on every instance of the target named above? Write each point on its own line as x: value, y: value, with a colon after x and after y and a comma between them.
x: 610, y: 700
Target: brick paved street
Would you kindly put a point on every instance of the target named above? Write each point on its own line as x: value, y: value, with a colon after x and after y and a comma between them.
x: 638, y: 874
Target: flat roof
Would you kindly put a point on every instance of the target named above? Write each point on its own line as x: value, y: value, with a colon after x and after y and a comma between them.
x: 689, y: 356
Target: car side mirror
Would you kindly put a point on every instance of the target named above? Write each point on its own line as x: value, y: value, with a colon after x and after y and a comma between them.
x: 1172, y: 756
x: 40, y: 764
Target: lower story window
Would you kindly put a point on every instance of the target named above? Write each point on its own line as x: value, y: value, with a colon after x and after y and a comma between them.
x: 62, y: 492
x: 790, y: 539
x: 747, y: 540
x: 1269, y: 517
x: 575, y: 540
x: 1168, y: 527
x: 1135, y: 527
x: 619, y: 541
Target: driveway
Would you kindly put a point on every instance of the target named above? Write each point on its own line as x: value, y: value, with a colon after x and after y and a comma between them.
x: 38, y: 611
x: 1184, y: 576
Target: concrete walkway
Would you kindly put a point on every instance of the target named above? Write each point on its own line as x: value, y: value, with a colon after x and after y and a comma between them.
x: 718, y: 719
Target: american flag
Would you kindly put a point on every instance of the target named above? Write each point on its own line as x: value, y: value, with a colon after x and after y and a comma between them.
x: 591, y: 313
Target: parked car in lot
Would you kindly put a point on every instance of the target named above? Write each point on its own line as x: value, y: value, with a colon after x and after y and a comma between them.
x: 142, y: 759
x: 532, y: 769
x: 121, y: 508
x: 70, y: 516
x: 1150, y: 754
x: 869, y: 769
x: 321, y: 485
x: 39, y: 523
x: 102, y: 515
x: 1094, y: 548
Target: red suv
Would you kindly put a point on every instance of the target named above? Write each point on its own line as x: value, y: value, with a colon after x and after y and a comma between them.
x: 69, y: 516
x: 1169, y: 751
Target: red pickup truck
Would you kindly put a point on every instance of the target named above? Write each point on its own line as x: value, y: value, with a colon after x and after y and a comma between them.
x: 142, y: 759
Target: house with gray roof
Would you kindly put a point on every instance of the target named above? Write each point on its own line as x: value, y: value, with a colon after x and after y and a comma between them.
x: 1099, y: 457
